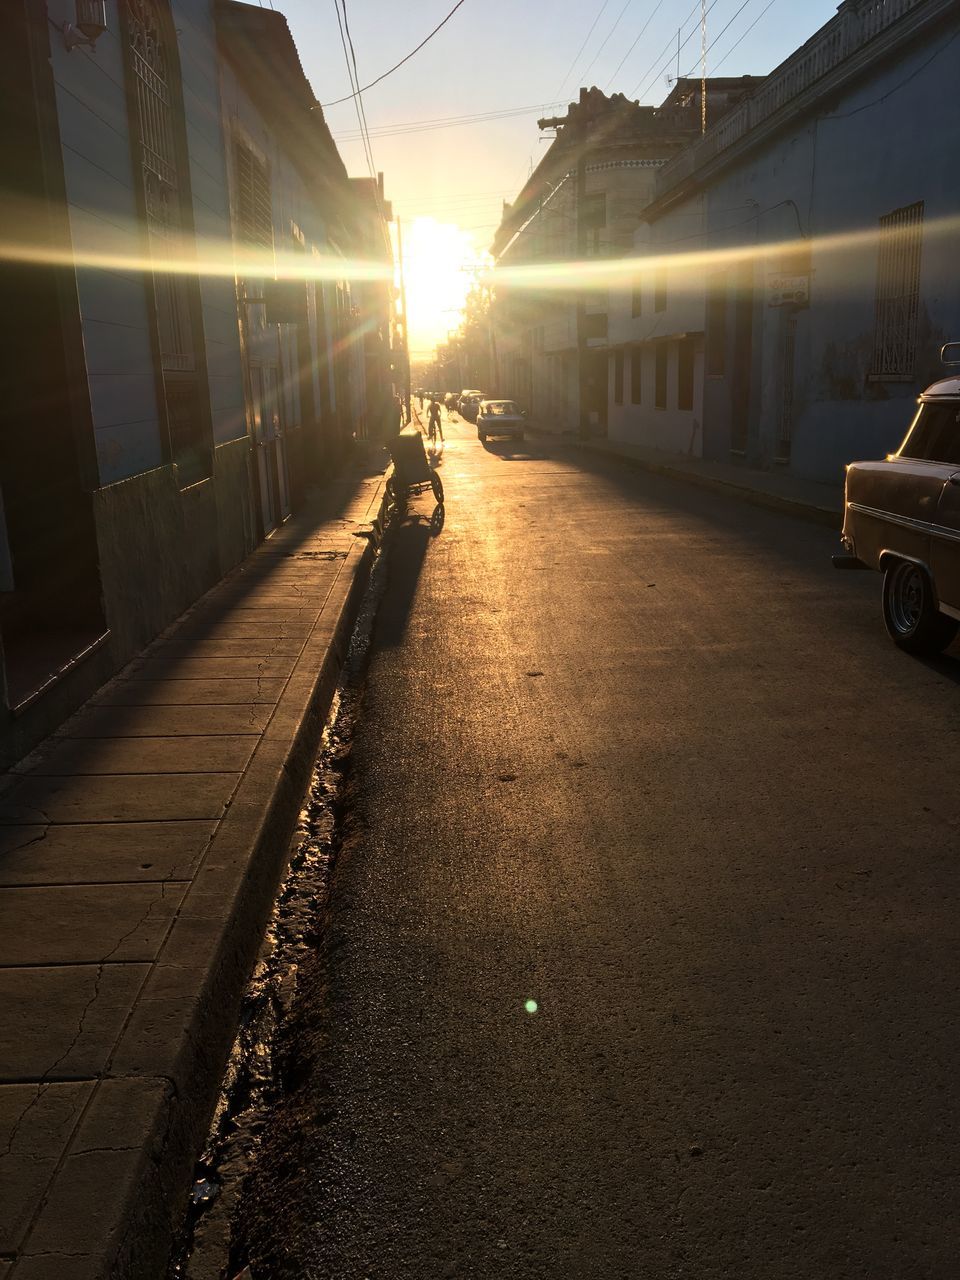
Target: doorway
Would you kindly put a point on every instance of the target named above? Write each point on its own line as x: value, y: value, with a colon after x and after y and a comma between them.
x: 50, y: 597
x: 269, y: 446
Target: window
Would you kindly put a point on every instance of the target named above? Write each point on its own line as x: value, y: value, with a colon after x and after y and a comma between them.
x: 636, y: 299
x: 660, y: 394
x: 716, y: 336
x: 160, y: 147
x: 618, y: 377
x: 935, y: 434
x: 898, y: 293
x: 660, y: 289
x: 636, y: 375
x: 254, y: 211
x: 593, y: 211
x: 685, y: 374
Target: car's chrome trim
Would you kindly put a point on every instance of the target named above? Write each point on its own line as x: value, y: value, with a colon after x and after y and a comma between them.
x: 906, y: 522
x: 950, y: 611
x: 918, y: 526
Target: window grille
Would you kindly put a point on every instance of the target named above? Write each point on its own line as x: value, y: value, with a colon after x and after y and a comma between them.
x: 685, y: 355
x: 618, y: 377
x: 254, y: 207
x: 660, y: 382
x: 785, y: 432
x: 152, y: 65
x: 660, y: 289
x: 898, y: 293
x: 716, y: 339
x: 636, y: 376
x: 636, y: 299
x: 162, y: 198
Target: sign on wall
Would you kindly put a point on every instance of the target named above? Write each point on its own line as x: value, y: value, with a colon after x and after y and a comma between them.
x: 784, y: 290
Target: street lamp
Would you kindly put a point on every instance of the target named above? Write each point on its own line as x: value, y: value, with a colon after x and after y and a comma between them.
x: 91, y: 23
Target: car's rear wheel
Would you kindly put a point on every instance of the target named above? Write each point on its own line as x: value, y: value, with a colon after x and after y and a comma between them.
x: 910, y: 611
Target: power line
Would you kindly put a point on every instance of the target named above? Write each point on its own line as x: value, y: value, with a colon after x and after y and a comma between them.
x: 767, y: 6
x: 396, y: 65
x: 586, y: 72
x: 447, y: 122
x: 357, y: 98
x: 653, y: 14
x: 720, y: 33
x: 670, y: 43
x: 583, y: 46
x: 361, y: 118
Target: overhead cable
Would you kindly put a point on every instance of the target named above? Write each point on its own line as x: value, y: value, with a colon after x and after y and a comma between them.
x: 653, y: 14
x: 396, y: 65
x: 447, y: 122
x: 583, y: 46
x: 590, y: 65
x: 767, y: 6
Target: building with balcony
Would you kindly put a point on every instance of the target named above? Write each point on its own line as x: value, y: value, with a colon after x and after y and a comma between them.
x: 793, y: 280
x: 582, y: 202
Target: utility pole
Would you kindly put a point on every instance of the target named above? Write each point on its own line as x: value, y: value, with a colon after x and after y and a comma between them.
x: 703, y: 66
x: 406, y: 332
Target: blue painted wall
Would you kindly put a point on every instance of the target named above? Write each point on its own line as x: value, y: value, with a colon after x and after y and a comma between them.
x: 886, y: 142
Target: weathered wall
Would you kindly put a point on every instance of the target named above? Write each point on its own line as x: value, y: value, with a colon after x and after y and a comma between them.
x: 104, y: 218
x: 876, y: 146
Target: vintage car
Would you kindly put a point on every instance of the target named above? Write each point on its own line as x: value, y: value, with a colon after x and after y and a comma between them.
x: 902, y: 516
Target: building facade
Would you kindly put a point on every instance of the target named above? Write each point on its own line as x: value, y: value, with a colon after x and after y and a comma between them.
x: 793, y: 280
x: 158, y: 419
x: 582, y: 203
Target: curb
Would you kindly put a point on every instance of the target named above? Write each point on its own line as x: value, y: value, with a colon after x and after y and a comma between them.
x: 824, y: 516
x: 163, y: 1080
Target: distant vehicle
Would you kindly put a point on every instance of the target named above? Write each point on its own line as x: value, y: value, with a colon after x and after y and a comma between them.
x: 465, y: 395
x: 500, y: 418
x: 902, y: 516
x: 469, y: 405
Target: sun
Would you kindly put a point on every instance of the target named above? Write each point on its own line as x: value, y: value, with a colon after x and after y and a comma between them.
x: 440, y: 260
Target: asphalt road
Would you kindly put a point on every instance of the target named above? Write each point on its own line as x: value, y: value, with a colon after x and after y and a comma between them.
x: 635, y: 752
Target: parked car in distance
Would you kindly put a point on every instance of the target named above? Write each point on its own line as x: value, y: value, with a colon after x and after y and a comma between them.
x: 469, y: 403
x: 500, y: 418
x: 902, y: 516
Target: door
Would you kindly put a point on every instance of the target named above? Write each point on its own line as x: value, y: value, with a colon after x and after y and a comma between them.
x: 262, y: 444
x: 945, y: 533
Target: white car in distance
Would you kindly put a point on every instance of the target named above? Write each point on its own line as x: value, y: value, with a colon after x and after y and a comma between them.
x: 500, y: 418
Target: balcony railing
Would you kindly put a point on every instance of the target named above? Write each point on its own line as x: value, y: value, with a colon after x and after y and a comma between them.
x: 856, y: 23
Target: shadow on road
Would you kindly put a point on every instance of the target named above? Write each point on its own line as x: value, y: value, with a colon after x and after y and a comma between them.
x: 515, y: 451
x: 410, y: 542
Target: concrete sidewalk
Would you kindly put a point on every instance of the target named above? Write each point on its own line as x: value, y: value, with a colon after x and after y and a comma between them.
x: 140, y: 851
x: 778, y: 489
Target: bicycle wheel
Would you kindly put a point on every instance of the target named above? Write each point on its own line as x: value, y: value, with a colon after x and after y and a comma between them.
x: 436, y: 485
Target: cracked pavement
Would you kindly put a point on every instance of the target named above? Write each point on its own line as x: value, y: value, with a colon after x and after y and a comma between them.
x: 139, y: 849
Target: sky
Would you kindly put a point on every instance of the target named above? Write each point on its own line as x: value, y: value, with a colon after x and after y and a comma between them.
x: 447, y: 184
